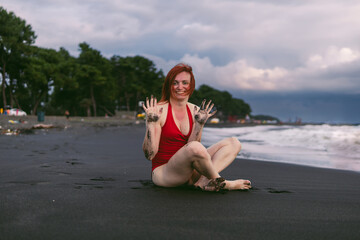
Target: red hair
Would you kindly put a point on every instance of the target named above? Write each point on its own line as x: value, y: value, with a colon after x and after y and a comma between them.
x: 170, y: 77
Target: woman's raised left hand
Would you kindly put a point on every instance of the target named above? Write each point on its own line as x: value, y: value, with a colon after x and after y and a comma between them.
x: 204, y: 113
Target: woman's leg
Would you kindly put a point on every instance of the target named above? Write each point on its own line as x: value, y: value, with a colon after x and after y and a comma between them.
x: 224, y: 152
x: 222, y: 155
x: 180, y: 167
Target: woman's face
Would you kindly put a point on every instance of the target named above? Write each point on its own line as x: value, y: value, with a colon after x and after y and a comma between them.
x: 181, y: 86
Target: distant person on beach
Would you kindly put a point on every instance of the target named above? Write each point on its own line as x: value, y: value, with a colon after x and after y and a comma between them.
x: 67, y: 114
x: 173, y: 134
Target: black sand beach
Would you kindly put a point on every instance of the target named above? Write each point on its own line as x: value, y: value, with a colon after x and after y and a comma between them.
x: 93, y: 182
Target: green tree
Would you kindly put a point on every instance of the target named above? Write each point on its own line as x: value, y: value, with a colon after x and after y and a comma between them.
x: 90, y: 75
x: 39, y: 75
x: 136, y: 77
x: 66, y: 87
x: 15, y: 37
x: 225, y: 104
x: 106, y: 95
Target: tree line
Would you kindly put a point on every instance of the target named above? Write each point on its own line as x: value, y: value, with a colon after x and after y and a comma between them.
x: 39, y: 79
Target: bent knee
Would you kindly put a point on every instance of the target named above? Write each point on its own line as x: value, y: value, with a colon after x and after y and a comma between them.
x: 235, y: 143
x: 196, y: 149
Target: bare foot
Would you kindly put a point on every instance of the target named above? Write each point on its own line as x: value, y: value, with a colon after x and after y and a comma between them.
x: 239, y: 184
x: 211, y: 185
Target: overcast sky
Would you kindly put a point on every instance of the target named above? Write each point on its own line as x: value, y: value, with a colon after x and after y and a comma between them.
x: 258, y: 47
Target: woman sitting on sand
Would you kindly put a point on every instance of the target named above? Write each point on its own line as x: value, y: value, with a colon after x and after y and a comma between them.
x: 173, y: 134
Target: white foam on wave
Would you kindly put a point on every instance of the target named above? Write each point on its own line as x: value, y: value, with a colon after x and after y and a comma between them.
x: 315, y: 145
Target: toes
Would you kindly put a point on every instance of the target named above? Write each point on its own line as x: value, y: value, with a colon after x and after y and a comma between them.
x: 244, y: 185
x: 245, y: 188
x: 246, y: 182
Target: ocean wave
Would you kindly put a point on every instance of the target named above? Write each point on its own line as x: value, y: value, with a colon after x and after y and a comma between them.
x: 315, y: 145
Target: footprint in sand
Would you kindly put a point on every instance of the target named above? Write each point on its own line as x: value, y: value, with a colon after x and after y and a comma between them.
x: 102, y: 179
x: 30, y: 182
x: 272, y: 190
x: 39, y: 152
x: 74, y: 161
x: 101, y: 183
x: 45, y: 165
x: 143, y: 184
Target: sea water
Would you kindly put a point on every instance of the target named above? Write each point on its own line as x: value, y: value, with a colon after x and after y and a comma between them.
x: 327, y: 146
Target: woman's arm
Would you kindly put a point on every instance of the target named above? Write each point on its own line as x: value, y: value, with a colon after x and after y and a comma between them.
x: 201, y: 115
x: 153, y: 128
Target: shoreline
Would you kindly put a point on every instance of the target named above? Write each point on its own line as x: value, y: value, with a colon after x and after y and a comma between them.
x: 61, y: 123
x: 29, y: 121
x: 297, y: 164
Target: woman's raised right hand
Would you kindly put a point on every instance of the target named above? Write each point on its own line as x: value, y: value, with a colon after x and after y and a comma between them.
x: 153, y: 112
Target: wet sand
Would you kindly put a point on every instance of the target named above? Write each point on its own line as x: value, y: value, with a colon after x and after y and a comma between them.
x: 93, y: 182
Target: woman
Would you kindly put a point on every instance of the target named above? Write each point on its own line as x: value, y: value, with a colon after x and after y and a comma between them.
x: 173, y: 134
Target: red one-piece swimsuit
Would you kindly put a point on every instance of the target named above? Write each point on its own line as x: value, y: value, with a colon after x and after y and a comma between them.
x: 171, y: 139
